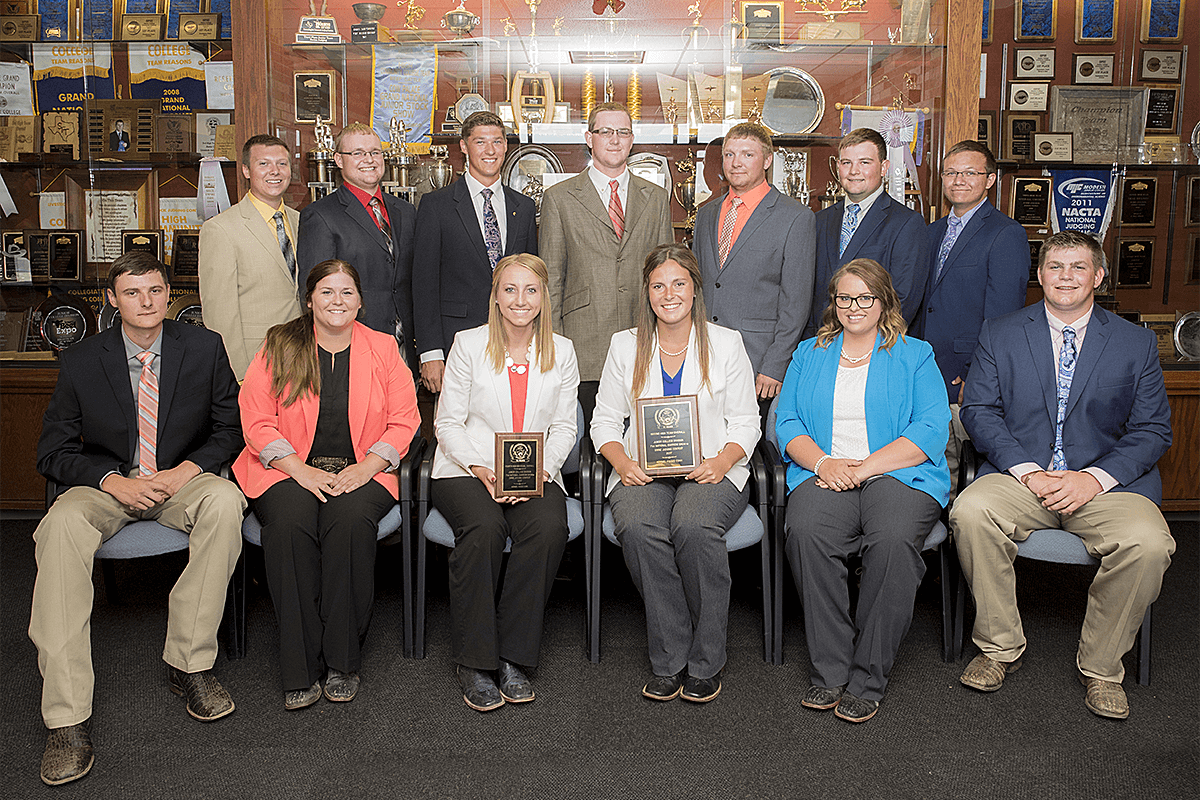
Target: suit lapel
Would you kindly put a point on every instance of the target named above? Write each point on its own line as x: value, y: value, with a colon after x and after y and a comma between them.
x: 635, y: 204
x: 116, y: 370
x: 585, y: 193
x: 262, y: 234
x: 533, y: 389
x: 360, y: 384
x: 360, y: 215
x: 470, y: 222
x: 516, y: 221
x: 865, y: 231
x: 830, y: 239
x: 173, y: 355
x: 963, y: 242
x: 503, y: 394
x: 1041, y: 349
x: 1089, y: 355
x: 761, y: 212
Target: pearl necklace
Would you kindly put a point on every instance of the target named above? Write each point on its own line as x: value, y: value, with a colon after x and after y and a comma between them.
x: 666, y: 352
x: 519, y: 369
x: 863, y: 357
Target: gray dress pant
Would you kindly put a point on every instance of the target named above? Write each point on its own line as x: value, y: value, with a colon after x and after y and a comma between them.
x: 884, y: 521
x: 672, y: 535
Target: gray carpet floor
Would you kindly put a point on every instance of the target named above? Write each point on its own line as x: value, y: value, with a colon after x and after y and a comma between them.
x: 590, y: 734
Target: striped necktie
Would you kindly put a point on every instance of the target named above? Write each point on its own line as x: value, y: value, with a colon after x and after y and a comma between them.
x: 147, y: 412
x: 382, y: 223
x: 615, y: 212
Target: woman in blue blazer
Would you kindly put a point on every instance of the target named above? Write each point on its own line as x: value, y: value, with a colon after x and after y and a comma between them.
x: 862, y: 420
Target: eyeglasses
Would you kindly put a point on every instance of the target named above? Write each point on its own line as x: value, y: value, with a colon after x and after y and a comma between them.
x: 608, y: 133
x: 863, y: 301
x: 966, y: 174
x: 359, y: 155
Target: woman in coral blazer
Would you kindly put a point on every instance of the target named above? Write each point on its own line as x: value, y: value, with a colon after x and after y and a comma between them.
x: 328, y: 412
x: 513, y: 374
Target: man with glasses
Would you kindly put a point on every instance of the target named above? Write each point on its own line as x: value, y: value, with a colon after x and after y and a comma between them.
x: 595, y: 232
x: 370, y: 229
x: 464, y: 229
x: 868, y: 223
x: 978, y: 269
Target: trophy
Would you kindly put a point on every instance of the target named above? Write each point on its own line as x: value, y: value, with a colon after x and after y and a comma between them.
x: 321, y: 163
x: 685, y: 191
x: 795, y: 170
x: 459, y: 20
x: 318, y: 28
x: 440, y: 173
x: 400, y: 162
x: 367, y: 28
x: 833, y: 189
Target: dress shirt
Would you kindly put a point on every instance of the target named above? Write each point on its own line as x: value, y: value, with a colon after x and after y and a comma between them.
x: 965, y: 218
x: 365, y: 199
x: 268, y: 215
x: 864, y: 205
x: 476, y: 188
x: 135, y: 378
x: 1080, y: 325
x: 750, y: 201
x: 602, y: 181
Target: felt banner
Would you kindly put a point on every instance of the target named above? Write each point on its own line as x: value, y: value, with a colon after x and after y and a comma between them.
x: 405, y: 87
x: 173, y: 71
x: 67, y: 76
x: 218, y: 82
x: 16, y: 90
x: 902, y: 129
x: 1082, y: 200
x: 213, y: 197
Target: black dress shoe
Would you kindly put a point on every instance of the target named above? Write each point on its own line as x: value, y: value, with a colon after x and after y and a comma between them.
x: 479, y: 689
x: 68, y: 754
x: 820, y: 698
x: 296, y: 699
x: 340, y: 687
x: 664, y: 687
x: 855, y: 709
x: 515, y: 686
x: 207, y: 700
x: 701, y: 690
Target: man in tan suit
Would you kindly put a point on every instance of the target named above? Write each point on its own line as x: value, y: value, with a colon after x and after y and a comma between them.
x: 248, y: 256
x: 595, y: 232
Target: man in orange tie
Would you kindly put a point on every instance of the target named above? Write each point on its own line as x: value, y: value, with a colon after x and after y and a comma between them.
x: 132, y: 434
x: 595, y: 231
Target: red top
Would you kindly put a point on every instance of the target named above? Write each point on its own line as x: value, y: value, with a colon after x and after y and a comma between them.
x: 365, y: 199
x: 750, y: 201
x: 518, y: 385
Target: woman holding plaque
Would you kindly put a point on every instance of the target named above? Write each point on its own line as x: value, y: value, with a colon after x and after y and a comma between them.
x: 328, y: 411
x: 512, y: 375
x: 863, y: 421
x: 672, y: 527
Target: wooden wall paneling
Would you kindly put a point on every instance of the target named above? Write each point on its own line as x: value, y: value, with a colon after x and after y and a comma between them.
x: 1179, y: 468
x: 24, y: 394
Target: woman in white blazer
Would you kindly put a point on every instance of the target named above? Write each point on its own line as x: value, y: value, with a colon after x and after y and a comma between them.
x: 513, y: 374
x: 671, y: 529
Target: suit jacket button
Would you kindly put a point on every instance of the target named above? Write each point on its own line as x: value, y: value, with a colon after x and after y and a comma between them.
x: 718, y: 286
x: 714, y: 319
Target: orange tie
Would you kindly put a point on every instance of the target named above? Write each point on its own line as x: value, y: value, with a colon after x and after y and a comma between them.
x: 615, y: 212
x: 147, y: 415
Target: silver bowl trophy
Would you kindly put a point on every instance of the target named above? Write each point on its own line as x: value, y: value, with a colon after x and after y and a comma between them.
x: 321, y: 163
x: 440, y: 173
x: 459, y: 20
x: 367, y: 28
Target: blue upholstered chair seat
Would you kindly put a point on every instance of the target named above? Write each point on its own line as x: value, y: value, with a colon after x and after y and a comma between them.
x: 146, y: 538
x: 1059, y: 546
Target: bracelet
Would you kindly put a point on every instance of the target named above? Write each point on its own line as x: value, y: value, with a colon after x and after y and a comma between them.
x: 1025, y: 478
x: 817, y: 467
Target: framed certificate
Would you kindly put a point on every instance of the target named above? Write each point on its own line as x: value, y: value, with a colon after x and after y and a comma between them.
x: 1138, y: 193
x: 1031, y: 201
x: 1037, y: 64
x: 668, y: 434
x: 519, y: 464
x: 316, y: 96
x: 1053, y: 147
x: 1162, y: 65
x: 1092, y: 69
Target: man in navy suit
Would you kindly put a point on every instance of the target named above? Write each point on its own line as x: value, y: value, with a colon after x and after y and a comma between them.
x: 868, y: 223
x: 370, y: 229
x: 141, y: 418
x: 1068, y: 404
x: 978, y: 269
x: 464, y: 229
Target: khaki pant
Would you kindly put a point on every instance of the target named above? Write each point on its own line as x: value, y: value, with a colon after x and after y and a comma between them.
x: 1123, y: 529
x: 958, y: 435
x: 208, y: 508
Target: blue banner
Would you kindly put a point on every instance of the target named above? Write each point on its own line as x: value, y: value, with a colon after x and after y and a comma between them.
x: 1083, y: 200
x: 405, y: 87
x: 66, y: 76
x: 173, y: 71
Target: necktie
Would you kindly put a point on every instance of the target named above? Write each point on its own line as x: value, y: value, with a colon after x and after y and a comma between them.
x: 285, y: 244
x: 377, y: 212
x: 725, y: 242
x: 615, y: 212
x: 953, y: 228
x: 849, y: 223
x: 491, y: 229
x: 1066, y: 372
x: 147, y: 412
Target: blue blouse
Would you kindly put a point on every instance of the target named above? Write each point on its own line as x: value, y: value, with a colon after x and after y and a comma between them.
x: 672, y: 386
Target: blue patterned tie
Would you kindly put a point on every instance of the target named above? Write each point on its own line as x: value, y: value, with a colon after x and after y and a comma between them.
x: 849, y: 223
x: 1066, y: 372
x: 953, y: 228
x: 491, y: 229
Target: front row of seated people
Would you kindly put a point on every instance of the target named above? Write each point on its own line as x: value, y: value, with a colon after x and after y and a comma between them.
x: 1064, y: 399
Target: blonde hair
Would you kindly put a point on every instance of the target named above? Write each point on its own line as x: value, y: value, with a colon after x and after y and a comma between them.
x: 352, y: 128
x: 647, y: 322
x: 543, y: 347
x: 879, y: 283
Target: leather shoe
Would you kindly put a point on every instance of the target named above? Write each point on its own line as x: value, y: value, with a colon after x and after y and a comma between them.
x: 68, y: 755
x: 340, y: 687
x: 855, y: 709
x: 479, y: 689
x: 821, y: 699
x: 515, y: 686
x: 1105, y: 698
x: 207, y: 700
x: 987, y: 674
x: 664, y: 688
x: 701, y: 690
x: 297, y: 699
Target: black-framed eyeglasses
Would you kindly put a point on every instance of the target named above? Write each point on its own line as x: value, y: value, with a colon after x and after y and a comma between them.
x: 863, y: 301
x: 965, y: 174
x: 608, y: 133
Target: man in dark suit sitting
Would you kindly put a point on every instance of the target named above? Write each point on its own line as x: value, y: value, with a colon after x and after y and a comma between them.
x: 978, y: 269
x: 1068, y: 404
x: 464, y: 229
x: 370, y: 229
x: 868, y: 223
x: 141, y: 418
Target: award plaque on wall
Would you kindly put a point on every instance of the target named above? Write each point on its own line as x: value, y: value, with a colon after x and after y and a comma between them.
x: 1107, y: 121
x: 37, y: 250
x: 19, y: 25
x: 1162, y: 21
x: 1092, y: 69
x: 199, y: 27
x: 1053, y: 147
x: 519, y: 467
x: 315, y: 96
x: 668, y: 434
x: 1035, y: 64
x: 1137, y: 200
x: 185, y: 256
x: 1191, y: 275
x: 763, y: 22
x: 986, y: 134
x: 1095, y: 21
x: 1135, y: 261
x: 1018, y: 135
x: 1162, y: 65
x: 1035, y: 20
x: 1162, y: 108
x: 61, y: 133
x: 1031, y: 201
x: 1191, y: 212
x: 173, y: 134
x: 1028, y: 96
x: 186, y: 308
x: 143, y: 241
x: 66, y: 256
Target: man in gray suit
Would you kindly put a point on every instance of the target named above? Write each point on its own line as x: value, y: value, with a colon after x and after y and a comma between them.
x: 595, y: 232
x: 248, y: 256
x: 757, y: 250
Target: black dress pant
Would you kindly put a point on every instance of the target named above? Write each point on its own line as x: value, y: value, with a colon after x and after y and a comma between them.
x: 320, y: 561
x: 485, y: 628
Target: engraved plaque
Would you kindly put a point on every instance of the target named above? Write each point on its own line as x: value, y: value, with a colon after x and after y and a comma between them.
x: 668, y: 434
x: 519, y: 468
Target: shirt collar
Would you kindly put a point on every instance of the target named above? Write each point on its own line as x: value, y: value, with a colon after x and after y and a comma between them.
x: 602, y: 181
x: 865, y: 204
x: 1078, y: 325
x: 362, y: 196
x: 475, y: 187
x: 132, y: 349
x: 264, y: 209
x: 753, y: 196
x: 965, y: 218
